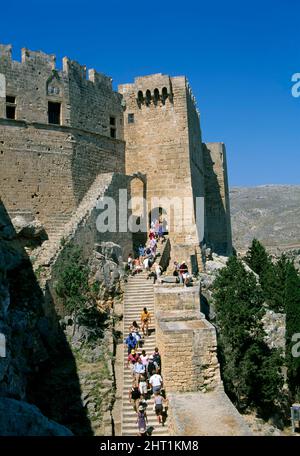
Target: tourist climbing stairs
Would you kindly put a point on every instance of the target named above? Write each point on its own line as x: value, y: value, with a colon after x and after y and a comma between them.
x: 138, y: 294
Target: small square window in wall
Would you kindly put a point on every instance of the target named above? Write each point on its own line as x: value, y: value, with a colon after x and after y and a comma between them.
x: 113, y: 133
x: 130, y: 118
x: 10, y: 99
x: 112, y: 121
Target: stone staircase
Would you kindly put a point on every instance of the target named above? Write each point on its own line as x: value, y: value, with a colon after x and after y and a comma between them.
x: 138, y: 294
x: 64, y: 226
x: 57, y: 226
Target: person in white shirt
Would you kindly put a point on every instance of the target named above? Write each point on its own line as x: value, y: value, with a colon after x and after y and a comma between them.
x: 143, y: 386
x: 146, y: 264
x: 144, y: 358
x: 139, y: 369
x: 156, y: 382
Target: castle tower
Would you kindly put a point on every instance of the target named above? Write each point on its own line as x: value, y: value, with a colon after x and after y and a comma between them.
x: 217, y: 207
x: 163, y: 141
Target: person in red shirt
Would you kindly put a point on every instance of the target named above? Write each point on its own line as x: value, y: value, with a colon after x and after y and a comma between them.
x: 133, y: 358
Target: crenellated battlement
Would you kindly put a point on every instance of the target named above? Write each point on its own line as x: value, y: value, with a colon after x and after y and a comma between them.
x: 71, y: 67
x: 5, y: 51
x: 38, y: 58
x: 48, y: 61
x: 73, y: 96
x: 191, y: 97
x: 155, y: 89
x: 100, y: 78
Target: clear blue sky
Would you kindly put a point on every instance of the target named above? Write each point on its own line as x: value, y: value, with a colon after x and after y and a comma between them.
x: 239, y: 57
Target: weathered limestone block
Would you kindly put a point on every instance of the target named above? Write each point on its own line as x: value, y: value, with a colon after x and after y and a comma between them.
x: 175, y: 297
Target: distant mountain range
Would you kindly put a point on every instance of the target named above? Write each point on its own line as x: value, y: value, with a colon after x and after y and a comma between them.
x: 270, y: 213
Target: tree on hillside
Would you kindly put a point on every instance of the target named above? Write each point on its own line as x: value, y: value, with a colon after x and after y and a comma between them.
x: 271, y: 275
x: 292, y: 307
x: 257, y: 257
x: 275, y: 290
x: 250, y: 370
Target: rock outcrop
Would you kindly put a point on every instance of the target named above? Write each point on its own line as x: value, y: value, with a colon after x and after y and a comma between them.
x: 18, y: 418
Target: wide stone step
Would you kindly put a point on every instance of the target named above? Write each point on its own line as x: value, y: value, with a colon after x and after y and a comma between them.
x: 133, y: 430
x: 132, y: 424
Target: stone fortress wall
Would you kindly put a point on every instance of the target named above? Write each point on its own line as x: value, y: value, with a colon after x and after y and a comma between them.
x: 217, y: 217
x: 59, y: 130
x: 158, y: 143
x: 163, y: 141
x: 66, y: 141
x: 46, y: 168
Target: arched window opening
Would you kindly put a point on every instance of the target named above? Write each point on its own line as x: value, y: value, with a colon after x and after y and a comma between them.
x: 148, y: 97
x: 156, y: 96
x: 140, y: 97
x: 137, y: 222
x: 158, y: 216
x: 164, y: 94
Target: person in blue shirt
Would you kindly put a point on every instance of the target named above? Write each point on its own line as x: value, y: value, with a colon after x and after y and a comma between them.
x: 131, y: 342
x: 141, y: 252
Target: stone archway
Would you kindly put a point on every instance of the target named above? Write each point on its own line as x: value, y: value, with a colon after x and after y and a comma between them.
x: 138, y: 210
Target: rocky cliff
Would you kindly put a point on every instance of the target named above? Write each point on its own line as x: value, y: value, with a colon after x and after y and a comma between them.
x: 56, y: 377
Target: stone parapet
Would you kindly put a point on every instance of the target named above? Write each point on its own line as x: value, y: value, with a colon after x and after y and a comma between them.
x: 187, y: 341
x: 168, y: 297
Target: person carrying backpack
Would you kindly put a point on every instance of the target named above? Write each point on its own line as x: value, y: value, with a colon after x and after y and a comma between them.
x: 157, y: 357
x: 131, y: 342
x: 152, y: 367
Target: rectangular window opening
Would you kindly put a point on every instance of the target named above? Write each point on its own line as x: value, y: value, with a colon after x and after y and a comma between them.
x: 130, y: 118
x: 11, y: 112
x: 54, y: 113
x: 113, y: 133
x: 112, y: 121
x: 10, y: 99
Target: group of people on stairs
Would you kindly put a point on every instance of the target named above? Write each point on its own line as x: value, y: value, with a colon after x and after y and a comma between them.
x: 145, y: 259
x: 146, y: 375
x: 146, y: 381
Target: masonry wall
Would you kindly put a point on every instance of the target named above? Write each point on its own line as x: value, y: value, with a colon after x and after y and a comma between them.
x: 82, y: 231
x: 189, y: 360
x: 158, y: 145
x: 217, y: 206
x: 35, y: 170
x: 187, y: 342
x: 46, y: 170
x: 172, y: 297
x: 87, y: 99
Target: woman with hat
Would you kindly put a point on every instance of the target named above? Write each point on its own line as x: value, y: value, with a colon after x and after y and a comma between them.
x: 142, y: 421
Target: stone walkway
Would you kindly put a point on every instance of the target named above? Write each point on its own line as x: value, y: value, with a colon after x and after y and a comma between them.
x: 206, y: 414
